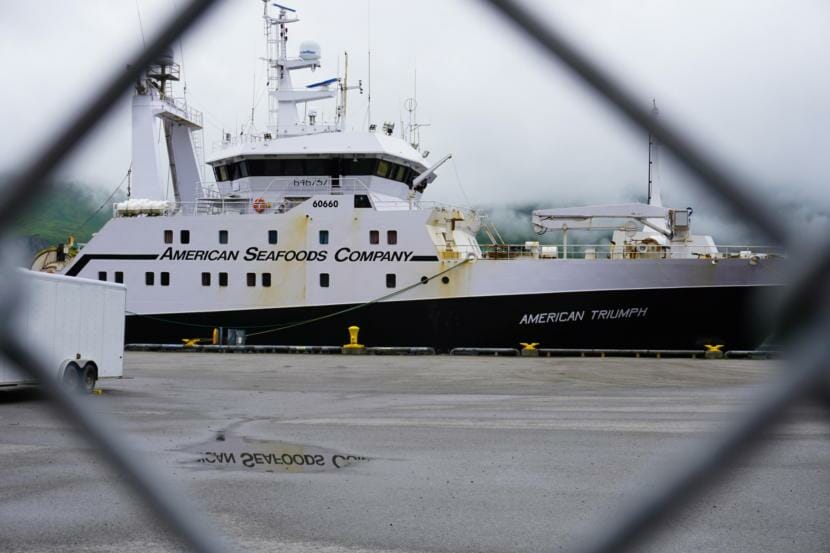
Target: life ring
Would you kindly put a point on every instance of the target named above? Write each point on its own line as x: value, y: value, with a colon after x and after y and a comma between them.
x: 259, y: 205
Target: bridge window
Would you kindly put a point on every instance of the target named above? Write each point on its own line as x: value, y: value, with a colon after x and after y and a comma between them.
x: 251, y: 278
x: 400, y: 174
x: 165, y: 279
x: 324, y: 280
x: 272, y: 237
x: 119, y: 277
x: 184, y: 237
x: 102, y: 275
x: 149, y: 278
x: 324, y: 237
x: 314, y: 167
x: 238, y: 170
x: 223, y: 279
x: 391, y: 237
x: 319, y: 167
x: 168, y: 236
x: 223, y: 237
x: 374, y: 237
x: 383, y: 169
x: 205, y: 279
x: 222, y: 173
x: 266, y: 280
x: 391, y: 280
x: 366, y: 166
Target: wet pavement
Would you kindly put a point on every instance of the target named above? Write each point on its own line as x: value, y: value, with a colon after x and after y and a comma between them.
x: 339, y: 454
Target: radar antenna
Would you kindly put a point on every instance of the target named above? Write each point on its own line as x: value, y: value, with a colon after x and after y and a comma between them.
x: 413, y: 129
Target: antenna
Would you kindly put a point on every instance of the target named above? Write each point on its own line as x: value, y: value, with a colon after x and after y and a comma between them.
x: 414, y: 128
x: 140, y: 24
x: 652, y: 150
x: 253, y: 100
x: 369, y: 49
x: 286, y: 8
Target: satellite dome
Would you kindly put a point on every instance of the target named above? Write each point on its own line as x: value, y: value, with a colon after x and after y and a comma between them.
x: 309, y: 50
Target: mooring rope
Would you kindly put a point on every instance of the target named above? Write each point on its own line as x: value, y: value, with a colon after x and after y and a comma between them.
x: 421, y: 282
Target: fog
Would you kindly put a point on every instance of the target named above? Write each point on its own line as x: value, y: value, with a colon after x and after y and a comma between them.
x: 746, y: 79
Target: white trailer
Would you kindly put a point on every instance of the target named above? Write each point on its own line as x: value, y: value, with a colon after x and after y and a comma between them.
x: 77, y: 324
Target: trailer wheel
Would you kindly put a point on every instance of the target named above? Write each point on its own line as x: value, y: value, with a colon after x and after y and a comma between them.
x: 88, y: 378
x: 71, y: 376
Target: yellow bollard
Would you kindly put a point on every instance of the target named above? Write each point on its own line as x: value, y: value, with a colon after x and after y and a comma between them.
x: 214, y: 339
x: 353, y: 347
x: 529, y: 349
x: 713, y: 351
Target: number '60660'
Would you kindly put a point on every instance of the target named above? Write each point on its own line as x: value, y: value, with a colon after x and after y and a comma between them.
x: 324, y: 203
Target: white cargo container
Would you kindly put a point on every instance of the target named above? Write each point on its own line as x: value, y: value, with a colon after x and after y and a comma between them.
x: 76, y: 323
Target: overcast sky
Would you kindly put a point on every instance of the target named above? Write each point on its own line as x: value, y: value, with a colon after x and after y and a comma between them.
x: 748, y: 79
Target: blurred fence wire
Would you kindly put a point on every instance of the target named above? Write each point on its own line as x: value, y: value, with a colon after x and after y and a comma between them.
x: 806, y: 330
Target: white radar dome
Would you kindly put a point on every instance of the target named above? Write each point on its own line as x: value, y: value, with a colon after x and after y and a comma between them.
x: 309, y: 50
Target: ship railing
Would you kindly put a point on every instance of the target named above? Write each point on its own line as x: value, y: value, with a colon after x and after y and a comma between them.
x: 414, y: 204
x: 265, y: 137
x: 608, y: 251
x: 280, y: 195
x: 301, y: 186
x: 181, y: 104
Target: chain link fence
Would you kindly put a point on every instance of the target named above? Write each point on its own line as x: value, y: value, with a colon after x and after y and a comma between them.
x: 803, y: 320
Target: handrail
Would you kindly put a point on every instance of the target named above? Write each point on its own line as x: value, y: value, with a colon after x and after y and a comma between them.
x: 214, y: 202
x: 611, y: 251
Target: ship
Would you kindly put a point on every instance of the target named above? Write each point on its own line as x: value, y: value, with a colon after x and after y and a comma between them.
x: 292, y: 234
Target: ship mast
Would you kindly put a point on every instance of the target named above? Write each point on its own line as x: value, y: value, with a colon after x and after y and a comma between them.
x: 283, y: 117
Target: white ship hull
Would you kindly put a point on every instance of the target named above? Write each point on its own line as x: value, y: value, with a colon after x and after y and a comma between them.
x: 626, y: 303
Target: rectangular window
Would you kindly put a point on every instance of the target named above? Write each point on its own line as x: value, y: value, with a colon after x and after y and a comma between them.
x: 251, y: 278
x: 383, y: 169
x: 272, y: 237
x: 293, y: 167
x: 401, y: 173
x: 391, y: 237
x: 223, y: 279
x: 119, y: 277
x: 149, y: 278
x: 223, y: 237
x: 205, y: 279
x: 266, y: 279
x: 359, y: 167
x: 362, y: 201
x: 184, y: 237
x: 165, y: 279
x: 102, y: 275
x: 374, y: 237
x: 324, y: 280
x: 324, y: 237
x: 168, y: 236
x: 390, y: 280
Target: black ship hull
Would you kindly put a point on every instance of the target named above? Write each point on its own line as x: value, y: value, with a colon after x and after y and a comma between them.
x: 666, y: 318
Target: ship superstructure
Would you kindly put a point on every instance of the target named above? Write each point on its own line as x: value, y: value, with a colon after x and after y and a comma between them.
x: 307, y: 228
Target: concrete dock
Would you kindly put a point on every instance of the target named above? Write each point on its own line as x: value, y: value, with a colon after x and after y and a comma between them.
x: 338, y: 454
